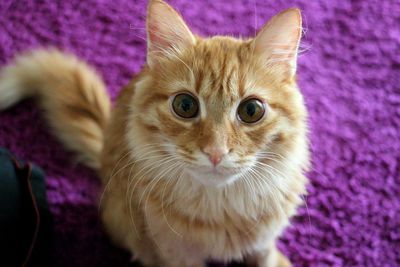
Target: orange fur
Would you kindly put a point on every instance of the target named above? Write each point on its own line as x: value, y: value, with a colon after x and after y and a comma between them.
x: 162, y: 199
x: 71, y: 93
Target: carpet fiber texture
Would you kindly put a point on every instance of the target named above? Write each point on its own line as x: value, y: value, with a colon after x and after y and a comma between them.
x: 349, y: 73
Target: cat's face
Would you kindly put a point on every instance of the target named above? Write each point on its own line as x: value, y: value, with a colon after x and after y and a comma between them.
x: 216, y: 108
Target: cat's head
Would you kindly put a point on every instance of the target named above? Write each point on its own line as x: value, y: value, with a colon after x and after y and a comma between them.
x: 218, y: 107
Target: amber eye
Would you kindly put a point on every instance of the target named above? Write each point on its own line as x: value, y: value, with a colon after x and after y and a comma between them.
x: 185, y: 106
x: 251, y: 110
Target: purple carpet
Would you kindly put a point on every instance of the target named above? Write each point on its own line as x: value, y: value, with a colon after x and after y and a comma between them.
x: 349, y: 73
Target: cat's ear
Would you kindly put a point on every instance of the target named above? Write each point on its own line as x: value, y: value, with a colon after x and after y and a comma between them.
x: 167, y: 33
x: 278, y: 41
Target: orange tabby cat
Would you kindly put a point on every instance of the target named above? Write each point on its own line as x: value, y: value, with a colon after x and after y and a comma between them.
x: 203, y: 155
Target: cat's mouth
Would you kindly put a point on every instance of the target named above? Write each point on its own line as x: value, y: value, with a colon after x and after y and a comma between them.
x: 215, y: 176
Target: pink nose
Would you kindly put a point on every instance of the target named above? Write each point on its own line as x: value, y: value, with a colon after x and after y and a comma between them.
x: 215, y: 154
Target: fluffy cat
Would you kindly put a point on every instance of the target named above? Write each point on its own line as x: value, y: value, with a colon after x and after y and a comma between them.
x: 202, y: 157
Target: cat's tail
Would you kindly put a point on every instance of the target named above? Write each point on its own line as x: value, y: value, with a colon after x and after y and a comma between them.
x: 71, y: 93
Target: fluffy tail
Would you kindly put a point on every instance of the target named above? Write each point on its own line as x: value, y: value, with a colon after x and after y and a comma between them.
x: 72, y: 95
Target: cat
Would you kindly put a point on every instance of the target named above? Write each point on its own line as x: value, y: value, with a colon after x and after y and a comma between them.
x: 203, y: 156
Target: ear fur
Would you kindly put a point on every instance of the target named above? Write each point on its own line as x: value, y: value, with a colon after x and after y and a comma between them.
x: 167, y: 33
x: 278, y: 41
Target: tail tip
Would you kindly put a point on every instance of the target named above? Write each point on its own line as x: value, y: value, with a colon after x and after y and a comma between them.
x: 10, y: 94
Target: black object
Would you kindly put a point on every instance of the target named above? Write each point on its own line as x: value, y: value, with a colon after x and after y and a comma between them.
x: 25, y: 220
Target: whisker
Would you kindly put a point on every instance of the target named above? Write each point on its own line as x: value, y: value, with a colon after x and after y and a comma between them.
x: 106, y: 188
x: 130, y: 193
x: 165, y: 171
x: 162, y: 202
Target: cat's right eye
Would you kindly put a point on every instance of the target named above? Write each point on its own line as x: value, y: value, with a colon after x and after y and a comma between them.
x: 185, y: 106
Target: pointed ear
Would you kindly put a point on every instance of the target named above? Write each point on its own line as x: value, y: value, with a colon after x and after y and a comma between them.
x: 278, y: 41
x: 166, y: 32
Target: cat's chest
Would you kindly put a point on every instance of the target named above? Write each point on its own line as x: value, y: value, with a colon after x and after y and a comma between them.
x: 231, y: 236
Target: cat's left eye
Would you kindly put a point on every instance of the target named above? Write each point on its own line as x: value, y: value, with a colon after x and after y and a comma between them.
x: 251, y: 110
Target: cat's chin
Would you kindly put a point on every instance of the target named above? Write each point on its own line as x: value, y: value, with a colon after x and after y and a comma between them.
x: 211, y: 177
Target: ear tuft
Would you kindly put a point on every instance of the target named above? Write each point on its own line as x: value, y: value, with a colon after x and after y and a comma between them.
x: 278, y: 41
x: 167, y: 33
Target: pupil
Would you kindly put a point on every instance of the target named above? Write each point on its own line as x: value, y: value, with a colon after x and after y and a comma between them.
x: 186, y: 104
x: 251, y: 109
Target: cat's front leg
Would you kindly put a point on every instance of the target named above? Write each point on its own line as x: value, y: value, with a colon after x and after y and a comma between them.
x: 173, y: 253
x: 182, y: 263
x: 270, y: 257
